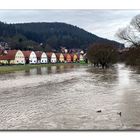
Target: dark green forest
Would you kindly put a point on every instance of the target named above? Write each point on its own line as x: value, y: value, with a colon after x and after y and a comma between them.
x: 48, y: 36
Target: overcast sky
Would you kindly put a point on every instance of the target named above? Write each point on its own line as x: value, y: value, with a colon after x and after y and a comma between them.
x: 103, y: 23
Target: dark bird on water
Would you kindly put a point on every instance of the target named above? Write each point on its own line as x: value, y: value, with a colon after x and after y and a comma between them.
x: 119, y: 113
x: 99, y: 111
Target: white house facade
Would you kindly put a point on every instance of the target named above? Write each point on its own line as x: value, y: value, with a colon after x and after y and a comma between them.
x: 19, y: 58
x: 53, y: 58
x: 32, y: 58
x: 44, y: 58
x: 13, y: 57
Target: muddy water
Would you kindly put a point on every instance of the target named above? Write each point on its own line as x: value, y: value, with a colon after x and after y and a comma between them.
x: 68, y: 98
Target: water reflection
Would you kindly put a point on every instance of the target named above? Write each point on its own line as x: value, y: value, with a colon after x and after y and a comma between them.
x: 44, y: 70
x: 123, y: 75
x: 53, y: 69
x: 129, y: 90
x: 129, y: 106
x: 61, y: 68
x: 33, y: 71
x: 49, y: 70
x: 4, y: 76
x: 102, y: 76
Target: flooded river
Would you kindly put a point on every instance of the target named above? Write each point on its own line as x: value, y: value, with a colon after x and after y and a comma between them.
x: 69, y: 97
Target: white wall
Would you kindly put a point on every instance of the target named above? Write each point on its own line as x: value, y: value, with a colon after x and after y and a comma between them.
x: 19, y: 58
x: 53, y: 58
x: 32, y: 58
x: 81, y: 57
x: 44, y: 58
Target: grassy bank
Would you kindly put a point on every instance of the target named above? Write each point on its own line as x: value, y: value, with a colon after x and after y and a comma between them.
x: 13, y: 68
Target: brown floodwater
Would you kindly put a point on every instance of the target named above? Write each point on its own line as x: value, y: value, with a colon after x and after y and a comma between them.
x: 71, y: 97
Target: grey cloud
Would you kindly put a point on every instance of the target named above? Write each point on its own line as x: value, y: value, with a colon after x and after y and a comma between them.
x: 103, y: 23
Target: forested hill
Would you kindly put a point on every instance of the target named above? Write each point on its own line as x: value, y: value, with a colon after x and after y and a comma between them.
x: 47, y: 36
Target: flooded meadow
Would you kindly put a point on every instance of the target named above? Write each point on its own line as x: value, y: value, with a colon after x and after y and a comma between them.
x: 71, y: 97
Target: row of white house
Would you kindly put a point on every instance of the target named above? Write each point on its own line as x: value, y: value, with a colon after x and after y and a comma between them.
x: 34, y: 57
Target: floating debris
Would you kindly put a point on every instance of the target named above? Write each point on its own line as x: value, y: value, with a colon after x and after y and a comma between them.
x: 119, y: 113
x: 99, y: 111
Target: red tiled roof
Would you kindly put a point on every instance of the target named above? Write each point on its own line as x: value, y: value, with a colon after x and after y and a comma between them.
x: 9, y: 56
x: 57, y: 55
x: 72, y: 55
x: 26, y: 53
x: 49, y: 54
x: 66, y: 55
x: 38, y: 54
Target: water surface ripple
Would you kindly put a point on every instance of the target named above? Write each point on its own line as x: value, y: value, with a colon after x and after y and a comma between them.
x: 67, y: 97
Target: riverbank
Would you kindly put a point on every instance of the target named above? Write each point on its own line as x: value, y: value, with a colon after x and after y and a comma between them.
x: 14, y: 68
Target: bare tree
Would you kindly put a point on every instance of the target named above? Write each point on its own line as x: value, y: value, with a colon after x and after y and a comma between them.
x: 135, y: 22
x: 131, y: 33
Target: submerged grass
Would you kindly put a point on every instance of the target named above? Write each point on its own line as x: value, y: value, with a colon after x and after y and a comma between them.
x: 14, y: 68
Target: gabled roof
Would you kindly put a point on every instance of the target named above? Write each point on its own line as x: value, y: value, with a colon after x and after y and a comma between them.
x: 26, y: 53
x: 9, y: 56
x: 79, y: 55
x: 58, y: 55
x: 67, y: 54
x: 38, y: 54
x: 73, y: 54
x: 49, y: 54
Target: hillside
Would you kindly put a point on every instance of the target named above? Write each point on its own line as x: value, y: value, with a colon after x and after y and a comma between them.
x: 47, y: 36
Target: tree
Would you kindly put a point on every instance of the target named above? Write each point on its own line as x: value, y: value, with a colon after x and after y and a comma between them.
x: 47, y: 48
x: 135, y: 22
x: 102, y: 54
x: 132, y: 56
x: 54, y: 34
x: 131, y: 33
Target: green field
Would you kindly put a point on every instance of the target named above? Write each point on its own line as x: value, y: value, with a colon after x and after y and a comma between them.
x: 13, y: 68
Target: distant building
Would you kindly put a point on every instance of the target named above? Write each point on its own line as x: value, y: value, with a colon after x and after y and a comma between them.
x: 52, y: 57
x: 85, y: 58
x: 123, y: 50
x: 66, y: 50
x: 68, y: 57
x: 12, y: 57
x: 74, y: 57
x: 60, y: 57
x: 4, y: 45
x: 81, y: 58
x: 30, y: 57
x: 63, y: 49
x: 81, y: 52
x: 41, y: 57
